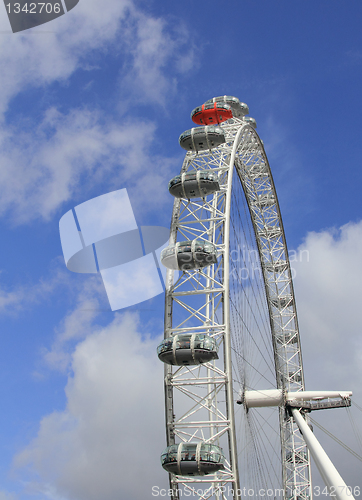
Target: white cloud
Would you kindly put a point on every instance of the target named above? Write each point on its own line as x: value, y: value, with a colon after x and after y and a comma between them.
x: 328, y: 287
x: 43, y: 168
x: 111, y: 431
x: 7, y: 496
x: 76, y: 325
x: 50, y: 162
x: 38, y: 60
x: 155, y: 47
x: 149, y: 45
x: 107, y: 442
x: 13, y: 300
x: 328, y: 294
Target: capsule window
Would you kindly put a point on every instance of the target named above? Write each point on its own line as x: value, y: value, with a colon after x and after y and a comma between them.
x: 199, y: 341
x: 168, y: 251
x: 207, y: 176
x: 188, y: 451
x: 184, y: 246
x: 199, y: 246
x: 198, y: 344
x: 190, y: 176
x: 183, y: 344
x: 165, y: 346
x: 174, y: 181
x: 208, y: 248
x: 215, y: 455
x: 205, y: 453
x: 208, y: 343
x: 170, y: 455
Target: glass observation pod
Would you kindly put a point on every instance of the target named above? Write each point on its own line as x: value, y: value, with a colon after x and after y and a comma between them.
x: 238, y: 108
x: 193, y: 459
x: 195, y: 184
x: 211, y: 114
x: 250, y: 121
x: 187, y: 349
x: 202, y: 138
x: 190, y: 254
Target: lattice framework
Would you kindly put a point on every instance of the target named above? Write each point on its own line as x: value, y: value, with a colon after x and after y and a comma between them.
x: 195, y: 302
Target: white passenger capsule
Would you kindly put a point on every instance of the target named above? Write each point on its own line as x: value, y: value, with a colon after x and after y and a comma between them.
x: 187, y: 349
x: 194, y: 184
x: 239, y: 109
x: 190, y: 254
x: 193, y: 459
x: 250, y: 121
x: 202, y: 138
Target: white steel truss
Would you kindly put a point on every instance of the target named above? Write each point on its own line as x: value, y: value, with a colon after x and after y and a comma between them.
x: 200, y: 400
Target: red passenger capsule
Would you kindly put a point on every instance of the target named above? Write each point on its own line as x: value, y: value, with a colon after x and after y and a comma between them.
x: 211, y: 113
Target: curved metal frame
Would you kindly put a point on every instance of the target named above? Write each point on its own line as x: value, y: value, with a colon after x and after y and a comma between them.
x: 199, y: 302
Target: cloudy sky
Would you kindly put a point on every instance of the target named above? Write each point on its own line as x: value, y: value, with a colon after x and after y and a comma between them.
x: 94, y: 101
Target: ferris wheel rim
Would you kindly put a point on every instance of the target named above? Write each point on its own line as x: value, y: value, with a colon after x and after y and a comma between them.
x: 236, y: 146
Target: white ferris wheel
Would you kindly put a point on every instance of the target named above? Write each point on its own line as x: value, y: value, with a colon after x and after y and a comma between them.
x: 235, y: 402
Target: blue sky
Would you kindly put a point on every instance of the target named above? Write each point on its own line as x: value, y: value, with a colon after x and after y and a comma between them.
x: 95, y: 101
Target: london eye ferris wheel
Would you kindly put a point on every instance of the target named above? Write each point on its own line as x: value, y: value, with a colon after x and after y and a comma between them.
x: 236, y: 407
